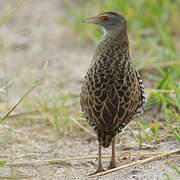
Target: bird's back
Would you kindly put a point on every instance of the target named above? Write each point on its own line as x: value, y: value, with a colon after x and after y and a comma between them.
x: 112, y: 92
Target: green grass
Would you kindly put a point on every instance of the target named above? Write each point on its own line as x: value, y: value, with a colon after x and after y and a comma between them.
x: 56, y: 110
x: 9, y: 12
x: 173, y: 166
x: 2, y: 163
x: 20, y: 100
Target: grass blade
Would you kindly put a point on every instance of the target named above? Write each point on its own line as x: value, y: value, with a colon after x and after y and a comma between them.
x: 176, y: 134
x: 20, y: 100
x: 2, y: 163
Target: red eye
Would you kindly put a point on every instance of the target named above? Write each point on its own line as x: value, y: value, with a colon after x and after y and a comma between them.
x: 105, y: 18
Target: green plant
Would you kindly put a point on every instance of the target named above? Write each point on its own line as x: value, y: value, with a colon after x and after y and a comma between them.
x: 2, y: 163
x: 9, y: 13
x: 56, y: 110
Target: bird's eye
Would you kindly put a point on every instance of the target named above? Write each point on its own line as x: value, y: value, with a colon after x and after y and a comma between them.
x: 104, y: 18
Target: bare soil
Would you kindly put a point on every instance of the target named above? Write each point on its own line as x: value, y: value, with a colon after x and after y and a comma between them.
x: 31, y: 37
x: 37, y: 141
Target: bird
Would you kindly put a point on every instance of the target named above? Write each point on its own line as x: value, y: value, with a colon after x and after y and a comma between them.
x: 112, y: 92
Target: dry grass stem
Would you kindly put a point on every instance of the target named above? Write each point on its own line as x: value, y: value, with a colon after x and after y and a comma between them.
x: 15, y: 177
x: 20, y: 100
x: 137, y: 163
x: 56, y: 161
x: 2, y: 89
x: 160, y: 91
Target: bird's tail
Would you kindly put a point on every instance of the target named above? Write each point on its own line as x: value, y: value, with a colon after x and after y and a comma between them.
x: 105, y: 138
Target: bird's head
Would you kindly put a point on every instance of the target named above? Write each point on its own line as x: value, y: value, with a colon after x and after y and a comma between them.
x: 109, y: 21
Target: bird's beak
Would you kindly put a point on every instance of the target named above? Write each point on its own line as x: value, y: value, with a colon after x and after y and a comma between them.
x: 92, y: 20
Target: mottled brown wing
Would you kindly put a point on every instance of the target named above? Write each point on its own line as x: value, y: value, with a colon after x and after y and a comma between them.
x: 108, y: 105
x: 86, y: 104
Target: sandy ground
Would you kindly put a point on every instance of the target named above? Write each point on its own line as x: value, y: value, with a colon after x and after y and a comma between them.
x: 37, y: 142
x: 31, y: 37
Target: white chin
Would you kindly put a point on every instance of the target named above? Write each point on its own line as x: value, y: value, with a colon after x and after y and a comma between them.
x: 104, y: 30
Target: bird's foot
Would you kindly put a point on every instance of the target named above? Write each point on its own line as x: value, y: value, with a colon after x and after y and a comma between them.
x: 112, y: 165
x: 100, y: 169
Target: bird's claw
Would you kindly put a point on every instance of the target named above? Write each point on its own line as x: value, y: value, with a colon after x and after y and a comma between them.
x: 100, y: 169
x: 112, y: 165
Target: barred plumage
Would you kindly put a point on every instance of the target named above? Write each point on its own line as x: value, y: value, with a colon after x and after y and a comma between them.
x: 112, y: 92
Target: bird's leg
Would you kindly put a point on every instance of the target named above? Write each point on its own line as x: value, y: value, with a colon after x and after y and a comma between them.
x: 113, y: 160
x: 100, y: 168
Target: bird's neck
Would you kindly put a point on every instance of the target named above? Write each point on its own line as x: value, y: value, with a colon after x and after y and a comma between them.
x: 116, y: 38
x: 111, y: 44
x: 116, y: 33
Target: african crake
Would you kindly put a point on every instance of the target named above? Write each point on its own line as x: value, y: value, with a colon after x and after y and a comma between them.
x: 112, y: 92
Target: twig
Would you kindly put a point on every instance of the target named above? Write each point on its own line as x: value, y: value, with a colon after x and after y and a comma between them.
x: 164, y: 91
x: 15, y: 177
x: 137, y: 163
x: 56, y: 161
x: 81, y: 126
